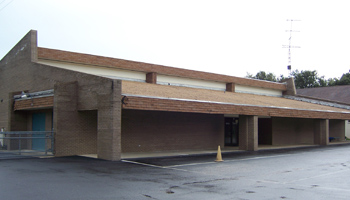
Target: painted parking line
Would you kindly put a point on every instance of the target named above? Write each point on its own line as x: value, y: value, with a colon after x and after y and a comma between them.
x: 225, y: 161
x: 140, y: 163
x: 150, y: 165
x: 175, y: 167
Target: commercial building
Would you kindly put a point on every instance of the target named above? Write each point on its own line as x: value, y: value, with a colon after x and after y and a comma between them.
x: 335, y: 96
x: 107, y: 106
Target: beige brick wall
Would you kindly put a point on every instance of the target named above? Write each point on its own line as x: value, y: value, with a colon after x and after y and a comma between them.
x: 152, y: 131
x: 291, y: 131
x: 109, y: 123
x: 248, y: 132
x: 76, y: 132
x: 337, y: 129
x: 265, y: 131
x: 75, y: 99
x: 321, y: 131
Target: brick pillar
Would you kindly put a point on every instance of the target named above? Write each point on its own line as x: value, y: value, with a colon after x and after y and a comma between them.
x: 66, y: 119
x: 17, y: 122
x: 109, y: 124
x: 230, y: 87
x: 151, y: 78
x: 290, y: 87
x: 33, y: 45
x: 248, y: 133
x: 321, y: 131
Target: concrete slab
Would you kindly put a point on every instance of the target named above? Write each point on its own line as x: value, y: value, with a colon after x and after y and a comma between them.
x: 132, y: 155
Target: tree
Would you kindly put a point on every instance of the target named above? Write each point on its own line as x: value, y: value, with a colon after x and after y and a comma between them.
x: 261, y: 75
x: 344, y: 80
x: 322, y: 82
x: 304, y: 79
x: 332, y: 81
x: 308, y: 79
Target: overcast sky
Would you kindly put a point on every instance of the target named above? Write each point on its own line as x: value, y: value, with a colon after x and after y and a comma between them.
x: 225, y: 37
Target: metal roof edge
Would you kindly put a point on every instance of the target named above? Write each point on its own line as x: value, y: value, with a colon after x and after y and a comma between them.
x: 318, y: 101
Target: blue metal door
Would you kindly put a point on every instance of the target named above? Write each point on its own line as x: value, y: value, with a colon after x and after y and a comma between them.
x: 38, y: 124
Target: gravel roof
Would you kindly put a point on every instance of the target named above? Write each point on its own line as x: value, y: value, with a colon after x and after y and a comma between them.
x: 176, y: 92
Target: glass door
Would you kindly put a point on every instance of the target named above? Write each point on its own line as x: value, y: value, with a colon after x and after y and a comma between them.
x: 231, y: 131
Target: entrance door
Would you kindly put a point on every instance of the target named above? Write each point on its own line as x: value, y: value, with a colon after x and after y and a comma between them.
x: 231, y: 131
x: 38, y: 124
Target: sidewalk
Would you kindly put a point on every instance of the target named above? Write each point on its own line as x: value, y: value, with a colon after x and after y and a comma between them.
x: 131, y: 155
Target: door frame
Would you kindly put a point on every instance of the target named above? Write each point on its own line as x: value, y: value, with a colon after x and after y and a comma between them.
x: 231, y: 130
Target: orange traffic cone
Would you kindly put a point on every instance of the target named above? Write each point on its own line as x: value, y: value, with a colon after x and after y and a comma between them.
x: 218, y: 156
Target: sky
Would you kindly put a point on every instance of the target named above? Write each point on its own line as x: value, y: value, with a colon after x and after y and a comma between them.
x: 220, y: 36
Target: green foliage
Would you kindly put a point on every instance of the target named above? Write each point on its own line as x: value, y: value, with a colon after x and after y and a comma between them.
x: 264, y: 76
x: 332, y: 81
x: 344, y: 80
x: 308, y: 79
x: 304, y: 79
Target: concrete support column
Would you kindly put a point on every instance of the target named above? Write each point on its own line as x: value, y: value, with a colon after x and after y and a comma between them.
x: 248, y: 133
x: 321, y: 131
x: 109, y: 124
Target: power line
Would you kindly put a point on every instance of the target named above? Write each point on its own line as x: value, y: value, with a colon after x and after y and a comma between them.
x: 5, y: 5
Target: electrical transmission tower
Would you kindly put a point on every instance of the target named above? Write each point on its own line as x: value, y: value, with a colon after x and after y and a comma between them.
x: 289, y: 66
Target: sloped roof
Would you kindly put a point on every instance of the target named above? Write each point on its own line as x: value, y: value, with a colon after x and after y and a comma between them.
x: 147, y: 90
x: 335, y: 93
x: 80, y: 58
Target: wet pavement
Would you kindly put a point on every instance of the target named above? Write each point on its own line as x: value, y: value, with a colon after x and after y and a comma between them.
x: 302, y: 173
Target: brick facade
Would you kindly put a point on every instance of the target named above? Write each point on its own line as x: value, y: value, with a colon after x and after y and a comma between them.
x: 292, y: 131
x: 248, y: 133
x: 321, y: 131
x: 68, y: 122
x: 91, y: 116
x: 230, y: 87
x: 109, y: 123
x: 290, y: 87
x: 265, y: 131
x: 152, y: 131
x: 151, y: 77
x: 76, y: 101
x: 336, y: 129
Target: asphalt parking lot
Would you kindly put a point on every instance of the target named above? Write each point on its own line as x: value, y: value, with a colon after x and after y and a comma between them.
x: 303, y: 173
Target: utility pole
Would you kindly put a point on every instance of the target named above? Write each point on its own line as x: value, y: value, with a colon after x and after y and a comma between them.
x: 289, y: 66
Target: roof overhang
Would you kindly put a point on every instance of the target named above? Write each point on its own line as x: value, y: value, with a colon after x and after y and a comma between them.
x: 196, y: 106
x: 144, y: 96
x: 34, y: 100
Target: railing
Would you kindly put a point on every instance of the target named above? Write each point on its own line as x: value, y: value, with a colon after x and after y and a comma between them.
x: 27, y: 142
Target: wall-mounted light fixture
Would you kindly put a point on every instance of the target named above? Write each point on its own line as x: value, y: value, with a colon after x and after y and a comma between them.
x: 24, y: 95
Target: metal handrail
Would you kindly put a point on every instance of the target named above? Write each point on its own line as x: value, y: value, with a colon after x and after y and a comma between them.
x: 19, y: 135
x: 25, y: 132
